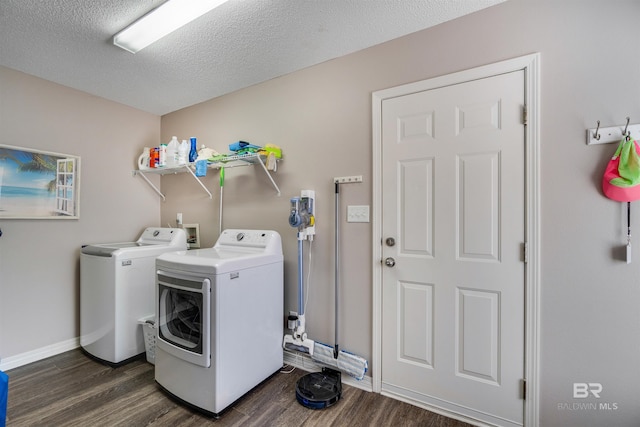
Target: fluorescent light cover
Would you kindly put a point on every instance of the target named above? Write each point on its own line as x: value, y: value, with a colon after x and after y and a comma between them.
x: 161, y: 21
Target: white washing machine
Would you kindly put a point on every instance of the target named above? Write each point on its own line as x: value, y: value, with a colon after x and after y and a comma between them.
x: 117, y: 288
x: 220, y: 318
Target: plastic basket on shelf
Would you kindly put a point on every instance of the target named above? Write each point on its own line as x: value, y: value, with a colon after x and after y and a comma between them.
x: 149, y: 334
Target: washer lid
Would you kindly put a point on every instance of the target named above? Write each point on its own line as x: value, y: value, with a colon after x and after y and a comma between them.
x: 107, y: 250
x: 216, y: 260
x: 153, y: 241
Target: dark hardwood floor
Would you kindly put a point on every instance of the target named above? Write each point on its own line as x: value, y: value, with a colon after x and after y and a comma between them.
x: 73, y: 390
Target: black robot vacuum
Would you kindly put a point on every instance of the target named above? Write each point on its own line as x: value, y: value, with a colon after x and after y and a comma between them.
x: 319, y: 390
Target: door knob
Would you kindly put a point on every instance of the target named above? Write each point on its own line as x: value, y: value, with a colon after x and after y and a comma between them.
x: 390, y: 262
x: 390, y: 241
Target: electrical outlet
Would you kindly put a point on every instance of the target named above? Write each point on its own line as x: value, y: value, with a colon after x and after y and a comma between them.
x: 358, y: 213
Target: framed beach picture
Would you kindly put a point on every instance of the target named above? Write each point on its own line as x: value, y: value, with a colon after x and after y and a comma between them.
x: 38, y: 184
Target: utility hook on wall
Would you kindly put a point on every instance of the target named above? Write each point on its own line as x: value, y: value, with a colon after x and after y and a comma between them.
x: 611, y: 134
x: 596, y: 135
x: 625, y: 132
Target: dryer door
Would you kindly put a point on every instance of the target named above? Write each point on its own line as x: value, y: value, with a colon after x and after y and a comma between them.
x: 184, y: 317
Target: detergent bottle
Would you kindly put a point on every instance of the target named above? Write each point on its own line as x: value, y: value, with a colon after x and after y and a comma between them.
x: 162, y: 155
x: 183, y: 152
x: 143, y: 160
x: 193, y: 153
x: 172, y: 152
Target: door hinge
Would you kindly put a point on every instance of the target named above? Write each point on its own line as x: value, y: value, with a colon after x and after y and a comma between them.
x: 524, y: 389
x: 524, y: 115
x: 526, y: 252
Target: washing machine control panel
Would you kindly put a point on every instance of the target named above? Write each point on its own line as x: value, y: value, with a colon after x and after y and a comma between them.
x: 159, y: 235
x: 246, y: 238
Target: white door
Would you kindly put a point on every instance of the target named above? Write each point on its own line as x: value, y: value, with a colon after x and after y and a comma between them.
x: 453, y: 198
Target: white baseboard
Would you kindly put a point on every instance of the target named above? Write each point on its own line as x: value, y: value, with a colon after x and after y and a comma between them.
x: 18, y: 360
x: 304, y: 362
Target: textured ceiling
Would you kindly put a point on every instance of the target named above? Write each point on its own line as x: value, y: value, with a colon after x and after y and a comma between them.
x: 241, y: 43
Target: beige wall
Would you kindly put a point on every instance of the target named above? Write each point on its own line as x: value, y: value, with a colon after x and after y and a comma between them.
x: 321, y: 117
x: 39, y: 259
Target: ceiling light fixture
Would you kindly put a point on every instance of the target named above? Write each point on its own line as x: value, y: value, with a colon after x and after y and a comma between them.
x: 161, y: 21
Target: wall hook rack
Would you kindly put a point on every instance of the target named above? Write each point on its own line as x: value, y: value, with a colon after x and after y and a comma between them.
x: 607, y: 135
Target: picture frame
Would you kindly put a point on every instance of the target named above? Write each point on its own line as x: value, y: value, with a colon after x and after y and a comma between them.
x: 37, y: 184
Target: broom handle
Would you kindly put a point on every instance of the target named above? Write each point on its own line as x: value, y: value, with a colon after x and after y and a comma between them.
x: 221, y: 191
x: 337, y: 267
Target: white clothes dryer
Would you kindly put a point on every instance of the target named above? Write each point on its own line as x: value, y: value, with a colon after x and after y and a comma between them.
x: 220, y: 318
x: 117, y: 288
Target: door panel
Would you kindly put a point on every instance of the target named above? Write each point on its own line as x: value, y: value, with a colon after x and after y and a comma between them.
x: 478, y: 335
x: 478, y: 225
x: 415, y: 306
x: 453, y: 198
x: 417, y: 231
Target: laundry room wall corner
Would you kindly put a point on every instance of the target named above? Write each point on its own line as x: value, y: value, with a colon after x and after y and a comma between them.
x: 39, y: 259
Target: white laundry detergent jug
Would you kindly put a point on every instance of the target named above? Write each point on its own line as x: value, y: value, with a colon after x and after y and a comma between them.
x: 143, y: 160
x: 172, y: 152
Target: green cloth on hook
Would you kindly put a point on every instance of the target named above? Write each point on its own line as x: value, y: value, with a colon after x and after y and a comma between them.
x: 629, y: 168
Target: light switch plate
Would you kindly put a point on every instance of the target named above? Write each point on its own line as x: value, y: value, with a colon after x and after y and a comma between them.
x: 358, y: 213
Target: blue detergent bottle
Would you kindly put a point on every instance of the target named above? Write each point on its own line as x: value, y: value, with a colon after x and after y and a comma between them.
x: 193, y: 153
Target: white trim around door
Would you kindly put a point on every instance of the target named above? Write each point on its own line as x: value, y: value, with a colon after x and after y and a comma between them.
x: 531, y: 66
